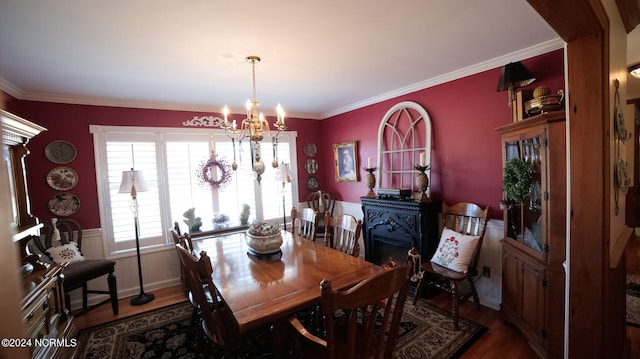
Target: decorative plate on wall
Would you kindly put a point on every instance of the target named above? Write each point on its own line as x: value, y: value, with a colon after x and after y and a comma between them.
x: 312, y: 183
x: 64, y: 204
x: 310, y: 149
x: 311, y: 166
x: 60, y: 152
x: 62, y: 178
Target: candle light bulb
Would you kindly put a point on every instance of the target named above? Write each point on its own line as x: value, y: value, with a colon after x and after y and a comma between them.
x: 225, y: 112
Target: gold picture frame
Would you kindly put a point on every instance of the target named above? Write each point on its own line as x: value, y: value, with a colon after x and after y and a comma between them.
x: 345, y: 159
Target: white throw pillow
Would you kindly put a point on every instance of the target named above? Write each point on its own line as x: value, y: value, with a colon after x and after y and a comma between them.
x: 455, y: 250
x: 68, y: 253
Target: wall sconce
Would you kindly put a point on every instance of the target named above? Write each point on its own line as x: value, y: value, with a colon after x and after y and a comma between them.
x: 635, y: 70
x: 513, y: 76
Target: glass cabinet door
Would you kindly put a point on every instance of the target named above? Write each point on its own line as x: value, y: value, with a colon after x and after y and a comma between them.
x: 525, y: 219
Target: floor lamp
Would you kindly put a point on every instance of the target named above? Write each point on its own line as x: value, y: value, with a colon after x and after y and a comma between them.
x: 284, y: 175
x: 133, y: 182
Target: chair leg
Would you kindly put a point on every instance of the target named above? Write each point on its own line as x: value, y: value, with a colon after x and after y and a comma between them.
x: 113, y: 292
x: 416, y: 295
x: 67, y: 301
x: 84, y: 296
x: 454, y: 303
x: 474, y: 293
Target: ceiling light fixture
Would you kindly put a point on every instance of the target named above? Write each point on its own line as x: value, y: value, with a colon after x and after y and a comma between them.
x: 255, y: 126
x: 635, y: 70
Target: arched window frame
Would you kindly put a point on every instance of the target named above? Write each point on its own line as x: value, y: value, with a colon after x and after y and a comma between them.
x: 403, y: 173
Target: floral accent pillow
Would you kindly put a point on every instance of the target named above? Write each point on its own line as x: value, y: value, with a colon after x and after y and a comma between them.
x: 67, y: 253
x: 455, y: 250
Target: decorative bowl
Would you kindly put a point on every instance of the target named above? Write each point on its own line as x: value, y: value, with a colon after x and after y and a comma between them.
x: 264, y: 244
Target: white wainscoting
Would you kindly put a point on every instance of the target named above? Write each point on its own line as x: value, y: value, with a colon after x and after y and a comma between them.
x: 161, y: 269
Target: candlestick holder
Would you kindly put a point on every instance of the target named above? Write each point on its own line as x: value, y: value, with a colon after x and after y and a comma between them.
x: 371, y: 181
x: 422, y: 182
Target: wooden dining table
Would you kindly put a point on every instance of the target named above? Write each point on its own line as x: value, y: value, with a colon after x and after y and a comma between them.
x: 262, y: 291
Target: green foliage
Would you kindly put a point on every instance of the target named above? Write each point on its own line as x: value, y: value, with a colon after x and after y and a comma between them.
x: 517, y: 179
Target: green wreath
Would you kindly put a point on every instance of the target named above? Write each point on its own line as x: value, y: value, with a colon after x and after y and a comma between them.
x: 517, y: 179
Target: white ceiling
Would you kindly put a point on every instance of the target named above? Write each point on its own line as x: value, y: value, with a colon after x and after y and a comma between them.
x: 319, y: 58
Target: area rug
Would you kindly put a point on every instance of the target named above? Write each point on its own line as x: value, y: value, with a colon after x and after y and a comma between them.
x: 427, y: 332
x: 633, y: 298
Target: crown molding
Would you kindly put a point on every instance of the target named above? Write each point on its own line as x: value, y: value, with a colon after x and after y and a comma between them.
x: 519, y: 55
x: 532, y: 51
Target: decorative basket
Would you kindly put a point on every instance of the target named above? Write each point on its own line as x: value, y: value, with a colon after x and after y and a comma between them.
x: 544, y: 104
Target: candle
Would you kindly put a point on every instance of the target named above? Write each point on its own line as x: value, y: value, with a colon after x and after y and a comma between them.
x: 423, y: 159
x: 280, y: 112
x: 369, y: 163
x: 225, y: 111
x: 320, y: 202
x: 233, y: 125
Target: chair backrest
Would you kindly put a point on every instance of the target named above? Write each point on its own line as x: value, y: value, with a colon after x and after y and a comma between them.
x: 321, y: 202
x: 382, y: 299
x: 304, y: 222
x: 217, y: 320
x: 469, y: 219
x: 344, y: 233
x: 69, y: 229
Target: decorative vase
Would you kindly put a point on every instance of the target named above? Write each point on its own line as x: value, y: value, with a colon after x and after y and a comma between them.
x: 422, y: 182
x: 371, y: 181
x: 264, y: 244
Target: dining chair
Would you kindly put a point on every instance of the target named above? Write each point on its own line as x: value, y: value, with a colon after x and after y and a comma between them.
x: 322, y: 202
x: 369, y: 326
x: 63, y: 245
x: 216, y: 319
x: 343, y: 232
x: 456, y: 258
x: 304, y: 222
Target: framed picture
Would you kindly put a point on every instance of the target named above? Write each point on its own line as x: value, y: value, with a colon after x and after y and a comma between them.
x: 345, y: 157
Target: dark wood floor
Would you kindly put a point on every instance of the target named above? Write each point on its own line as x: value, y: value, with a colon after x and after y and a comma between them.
x: 500, y: 341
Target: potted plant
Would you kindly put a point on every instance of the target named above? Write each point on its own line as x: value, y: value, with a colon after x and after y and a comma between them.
x: 244, y: 215
x: 191, y: 220
x: 516, y: 181
x: 263, y: 238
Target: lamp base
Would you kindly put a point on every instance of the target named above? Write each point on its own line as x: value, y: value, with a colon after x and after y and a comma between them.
x: 142, y: 298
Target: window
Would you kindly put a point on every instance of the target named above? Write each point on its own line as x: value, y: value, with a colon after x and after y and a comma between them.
x: 169, y: 159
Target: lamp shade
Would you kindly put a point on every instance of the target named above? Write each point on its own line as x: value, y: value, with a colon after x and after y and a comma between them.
x: 284, y: 173
x: 635, y: 70
x: 514, y: 74
x: 132, y: 182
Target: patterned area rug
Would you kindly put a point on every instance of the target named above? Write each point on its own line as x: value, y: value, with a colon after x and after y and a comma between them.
x: 427, y: 332
x: 633, y: 298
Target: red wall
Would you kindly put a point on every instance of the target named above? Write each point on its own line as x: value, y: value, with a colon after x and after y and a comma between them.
x: 71, y: 123
x: 466, y: 157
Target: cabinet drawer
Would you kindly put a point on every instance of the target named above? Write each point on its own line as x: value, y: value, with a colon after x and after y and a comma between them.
x: 36, y: 315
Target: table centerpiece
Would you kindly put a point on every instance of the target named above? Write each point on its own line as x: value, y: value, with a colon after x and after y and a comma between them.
x: 264, y: 239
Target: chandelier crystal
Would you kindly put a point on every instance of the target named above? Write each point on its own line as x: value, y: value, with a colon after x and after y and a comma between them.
x: 254, y: 126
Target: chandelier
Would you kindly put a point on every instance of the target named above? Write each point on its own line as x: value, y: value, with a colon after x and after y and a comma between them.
x: 254, y: 126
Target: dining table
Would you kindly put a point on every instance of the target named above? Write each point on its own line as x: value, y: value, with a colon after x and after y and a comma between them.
x: 266, y: 290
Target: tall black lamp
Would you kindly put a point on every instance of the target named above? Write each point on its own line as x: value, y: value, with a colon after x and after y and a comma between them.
x: 513, y: 76
x: 133, y: 182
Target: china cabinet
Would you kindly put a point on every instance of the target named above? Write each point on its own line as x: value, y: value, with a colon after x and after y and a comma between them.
x: 48, y: 326
x: 534, y: 245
